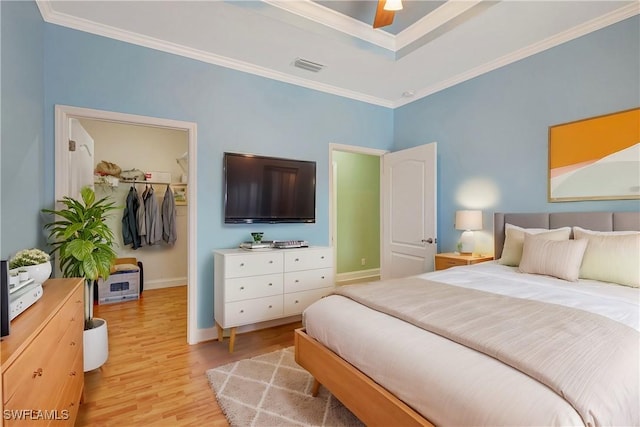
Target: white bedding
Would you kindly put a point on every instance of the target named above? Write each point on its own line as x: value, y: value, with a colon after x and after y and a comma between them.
x: 450, y: 384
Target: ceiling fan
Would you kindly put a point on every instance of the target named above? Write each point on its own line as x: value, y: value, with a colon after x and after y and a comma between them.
x: 385, y: 12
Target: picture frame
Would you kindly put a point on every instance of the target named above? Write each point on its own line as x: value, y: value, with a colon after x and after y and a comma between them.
x: 597, y: 158
x: 179, y: 194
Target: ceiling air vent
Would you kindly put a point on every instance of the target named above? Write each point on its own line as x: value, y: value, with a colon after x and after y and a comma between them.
x: 308, y: 65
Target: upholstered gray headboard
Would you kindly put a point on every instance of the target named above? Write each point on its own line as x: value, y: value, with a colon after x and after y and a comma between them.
x: 599, y: 221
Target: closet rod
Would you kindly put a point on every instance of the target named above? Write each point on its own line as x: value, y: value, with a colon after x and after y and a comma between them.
x: 152, y: 182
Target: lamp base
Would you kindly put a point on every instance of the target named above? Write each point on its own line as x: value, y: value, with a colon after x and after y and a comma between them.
x: 467, y: 243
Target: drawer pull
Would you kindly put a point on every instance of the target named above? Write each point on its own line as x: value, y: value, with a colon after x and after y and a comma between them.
x: 37, y: 373
x: 241, y: 311
x: 73, y: 343
x: 297, y: 281
x: 270, y: 261
x: 242, y: 288
x: 270, y: 306
x: 296, y: 302
x: 242, y: 264
x: 322, y: 257
x: 322, y: 277
x: 270, y: 284
x: 297, y: 259
x: 72, y: 373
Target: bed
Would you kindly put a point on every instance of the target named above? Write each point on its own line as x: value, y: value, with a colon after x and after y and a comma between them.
x: 500, y: 347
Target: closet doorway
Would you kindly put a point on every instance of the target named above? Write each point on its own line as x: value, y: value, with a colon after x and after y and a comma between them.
x: 146, y: 144
x: 355, y: 223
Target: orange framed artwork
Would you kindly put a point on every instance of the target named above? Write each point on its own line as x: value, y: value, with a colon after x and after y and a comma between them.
x: 596, y: 158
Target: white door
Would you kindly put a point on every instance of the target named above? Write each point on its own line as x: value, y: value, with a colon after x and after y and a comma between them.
x: 408, y: 192
x: 80, y: 158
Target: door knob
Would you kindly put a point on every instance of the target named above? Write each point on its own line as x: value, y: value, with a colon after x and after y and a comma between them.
x: 429, y: 240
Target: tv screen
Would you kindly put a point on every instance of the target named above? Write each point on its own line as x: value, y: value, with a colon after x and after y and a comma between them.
x: 261, y: 189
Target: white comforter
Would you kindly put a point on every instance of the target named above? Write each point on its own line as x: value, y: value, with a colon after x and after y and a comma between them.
x: 450, y: 384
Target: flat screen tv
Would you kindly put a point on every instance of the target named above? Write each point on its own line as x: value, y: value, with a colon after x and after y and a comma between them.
x: 261, y: 189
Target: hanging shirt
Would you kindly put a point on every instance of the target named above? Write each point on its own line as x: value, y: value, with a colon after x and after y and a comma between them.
x: 152, y: 214
x: 129, y: 226
x: 141, y: 220
x: 169, y: 233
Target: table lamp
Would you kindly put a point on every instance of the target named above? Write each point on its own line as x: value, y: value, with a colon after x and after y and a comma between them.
x: 468, y: 220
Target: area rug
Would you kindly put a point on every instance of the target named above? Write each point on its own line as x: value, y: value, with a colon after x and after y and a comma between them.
x: 273, y: 390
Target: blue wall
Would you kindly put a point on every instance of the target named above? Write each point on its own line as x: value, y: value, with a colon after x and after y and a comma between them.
x: 23, y: 179
x: 492, y: 131
x: 234, y: 111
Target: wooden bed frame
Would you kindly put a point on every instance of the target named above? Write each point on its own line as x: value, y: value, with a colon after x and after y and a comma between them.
x: 372, y: 403
x: 369, y: 401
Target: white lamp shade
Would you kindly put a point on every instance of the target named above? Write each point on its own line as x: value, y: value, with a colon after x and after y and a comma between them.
x: 393, y: 5
x: 468, y: 220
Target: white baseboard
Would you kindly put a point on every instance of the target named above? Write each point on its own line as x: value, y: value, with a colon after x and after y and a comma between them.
x: 165, y: 283
x: 210, y: 334
x: 357, y: 275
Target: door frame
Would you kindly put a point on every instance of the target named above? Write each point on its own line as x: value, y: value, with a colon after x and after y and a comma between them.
x: 333, y: 194
x: 62, y: 115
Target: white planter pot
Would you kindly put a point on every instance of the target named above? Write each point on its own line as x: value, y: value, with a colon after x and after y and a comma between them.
x: 39, y: 273
x: 96, y: 345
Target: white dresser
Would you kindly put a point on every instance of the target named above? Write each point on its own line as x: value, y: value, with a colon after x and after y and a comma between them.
x: 259, y: 285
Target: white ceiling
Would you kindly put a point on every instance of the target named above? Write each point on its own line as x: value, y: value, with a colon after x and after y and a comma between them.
x: 455, y: 41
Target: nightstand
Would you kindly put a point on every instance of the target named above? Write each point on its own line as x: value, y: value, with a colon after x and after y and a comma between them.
x: 452, y: 259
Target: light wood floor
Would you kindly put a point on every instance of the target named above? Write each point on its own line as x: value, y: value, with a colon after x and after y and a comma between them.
x: 153, y: 377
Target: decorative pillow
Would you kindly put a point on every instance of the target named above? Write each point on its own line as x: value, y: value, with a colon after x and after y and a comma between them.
x: 602, y: 233
x: 611, y: 258
x: 559, y: 259
x: 514, y: 239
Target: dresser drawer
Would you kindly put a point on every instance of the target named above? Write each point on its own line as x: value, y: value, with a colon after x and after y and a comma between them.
x: 296, y: 281
x: 253, y: 310
x: 307, y: 259
x: 38, y: 376
x: 71, y: 392
x: 296, y: 302
x: 253, y: 264
x: 242, y: 288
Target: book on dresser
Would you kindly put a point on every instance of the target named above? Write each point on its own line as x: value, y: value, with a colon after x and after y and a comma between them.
x: 252, y: 287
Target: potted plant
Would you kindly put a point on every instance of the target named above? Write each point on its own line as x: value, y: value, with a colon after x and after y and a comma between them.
x: 34, y: 261
x: 84, y: 244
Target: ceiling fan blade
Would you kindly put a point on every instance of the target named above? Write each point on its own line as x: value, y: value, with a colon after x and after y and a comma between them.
x: 383, y: 17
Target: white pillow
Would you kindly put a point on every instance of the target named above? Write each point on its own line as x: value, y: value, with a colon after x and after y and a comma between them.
x: 611, y: 258
x: 559, y: 259
x: 514, y: 239
x: 602, y: 233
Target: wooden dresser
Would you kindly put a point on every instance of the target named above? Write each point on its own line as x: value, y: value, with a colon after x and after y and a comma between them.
x: 41, y: 359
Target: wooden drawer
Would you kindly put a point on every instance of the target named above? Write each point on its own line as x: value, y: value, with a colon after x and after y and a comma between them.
x: 307, y: 259
x: 297, y: 281
x: 254, y: 310
x: 71, y: 391
x: 242, y: 288
x: 296, y: 302
x: 37, y: 377
x: 444, y: 263
x: 253, y: 264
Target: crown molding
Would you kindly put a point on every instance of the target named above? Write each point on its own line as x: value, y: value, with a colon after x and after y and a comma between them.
x: 573, y: 33
x: 51, y: 16
x: 65, y: 20
x: 430, y: 22
x: 332, y: 19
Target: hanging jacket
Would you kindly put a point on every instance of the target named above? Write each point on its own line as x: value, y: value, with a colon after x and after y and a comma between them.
x: 141, y: 220
x: 129, y: 226
x: 153, y: 219
x: 169, y: 233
